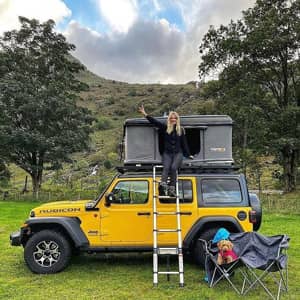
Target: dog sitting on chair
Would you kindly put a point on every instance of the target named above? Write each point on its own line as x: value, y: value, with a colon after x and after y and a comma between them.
x: 226, y: 255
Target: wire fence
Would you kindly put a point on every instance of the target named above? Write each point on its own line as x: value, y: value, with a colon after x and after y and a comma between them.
x: 277, y: 201
x: 270, y: 203
x: 271, y: 200
x: 82, y: 189
x: 45, y: 196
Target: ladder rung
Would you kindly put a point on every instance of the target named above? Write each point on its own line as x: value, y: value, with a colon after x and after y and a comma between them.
x: 164, y: 250
x: 166, y: 213
x: 157, y: 181
x: 165, y: 197
x: 167, y: 230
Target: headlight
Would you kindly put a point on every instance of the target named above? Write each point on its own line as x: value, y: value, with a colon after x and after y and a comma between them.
x: 32, y: 214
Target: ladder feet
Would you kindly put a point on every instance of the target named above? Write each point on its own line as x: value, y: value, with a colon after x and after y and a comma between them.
x: 181, y: 285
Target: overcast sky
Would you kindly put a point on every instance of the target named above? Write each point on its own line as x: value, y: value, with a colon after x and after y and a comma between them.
x: 144, y: 41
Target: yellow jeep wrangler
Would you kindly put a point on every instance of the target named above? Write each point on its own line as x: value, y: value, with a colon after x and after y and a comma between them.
x: 121, y: 218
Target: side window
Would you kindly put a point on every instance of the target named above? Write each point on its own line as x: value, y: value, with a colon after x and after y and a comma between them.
x: 131, y: 192
x: 221, y: 191
x: 185, y: 192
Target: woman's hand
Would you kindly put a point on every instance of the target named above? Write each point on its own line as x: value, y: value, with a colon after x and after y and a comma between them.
x: 191, y: 157
x: 142, y: 110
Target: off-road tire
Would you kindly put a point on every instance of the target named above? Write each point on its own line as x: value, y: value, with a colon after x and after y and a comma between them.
x: 198, y: 253
x: 256, y: 206
x: 47, y: 252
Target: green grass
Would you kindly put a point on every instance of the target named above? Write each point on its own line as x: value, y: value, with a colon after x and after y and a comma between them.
x: 126, y: 276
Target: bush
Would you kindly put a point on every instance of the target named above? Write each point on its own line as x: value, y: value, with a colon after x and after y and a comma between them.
x: 132, y: 93
x: 110, y: 100
x: 80, y: 165
x: 102, y: 184
x: 96, y: 158
x: 103, y: 124
x: 107, y: 164
x: 112, y: 156
x: 121, y: 112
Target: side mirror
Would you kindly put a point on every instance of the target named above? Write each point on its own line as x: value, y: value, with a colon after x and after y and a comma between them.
x: 109, y: 199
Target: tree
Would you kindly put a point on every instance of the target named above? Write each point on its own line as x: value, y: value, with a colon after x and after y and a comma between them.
x: 262, y: 50
x: 4, y: 173
x: 40, y: 123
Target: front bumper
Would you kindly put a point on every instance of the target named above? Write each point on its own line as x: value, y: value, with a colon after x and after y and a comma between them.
x: 16, y: 238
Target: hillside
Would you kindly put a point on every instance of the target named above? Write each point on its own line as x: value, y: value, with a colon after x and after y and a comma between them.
x: 112, y: 102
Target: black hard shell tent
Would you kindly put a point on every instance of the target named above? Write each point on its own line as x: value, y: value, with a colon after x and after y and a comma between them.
x: 209, y: 138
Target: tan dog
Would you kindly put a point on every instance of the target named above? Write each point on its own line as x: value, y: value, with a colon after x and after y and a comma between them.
x: 226, y: 255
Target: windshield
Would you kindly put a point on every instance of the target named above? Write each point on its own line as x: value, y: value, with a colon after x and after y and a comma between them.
x: 94, y: 202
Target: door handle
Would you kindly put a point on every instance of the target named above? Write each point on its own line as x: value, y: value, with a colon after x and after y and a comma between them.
x: 143, y: 213
x: 186, y: 213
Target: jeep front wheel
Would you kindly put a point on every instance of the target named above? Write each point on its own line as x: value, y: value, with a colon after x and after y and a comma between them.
x: 47, y: 252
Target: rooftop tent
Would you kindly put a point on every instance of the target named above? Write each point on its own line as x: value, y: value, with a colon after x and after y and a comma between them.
x: 209, y: 138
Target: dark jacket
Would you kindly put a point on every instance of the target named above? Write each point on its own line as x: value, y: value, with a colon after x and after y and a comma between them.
x: 173, y: 143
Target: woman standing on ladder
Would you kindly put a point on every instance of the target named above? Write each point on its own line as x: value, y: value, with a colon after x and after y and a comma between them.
x: 175, y: 146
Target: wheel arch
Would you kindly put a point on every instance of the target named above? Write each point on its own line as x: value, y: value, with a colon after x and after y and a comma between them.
x: 69, y: 227
x: 230, y: 223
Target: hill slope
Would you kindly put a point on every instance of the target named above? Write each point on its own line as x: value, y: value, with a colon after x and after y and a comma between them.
x: 112, y: 102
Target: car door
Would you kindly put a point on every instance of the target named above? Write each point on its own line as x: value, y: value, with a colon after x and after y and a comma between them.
x: 188, y: 211
x: 128, y: 219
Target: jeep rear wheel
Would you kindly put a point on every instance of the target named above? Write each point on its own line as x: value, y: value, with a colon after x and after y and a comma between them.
x: 47, y: 252
x: 198, y: 251
x: 256, y: 206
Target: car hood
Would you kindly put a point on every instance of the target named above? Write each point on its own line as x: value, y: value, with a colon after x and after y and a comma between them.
x: 59, y: 208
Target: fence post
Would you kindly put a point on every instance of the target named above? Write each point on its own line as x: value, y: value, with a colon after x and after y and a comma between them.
x: 269, y: 201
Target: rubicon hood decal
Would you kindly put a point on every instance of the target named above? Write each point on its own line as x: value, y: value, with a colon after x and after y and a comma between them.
x: 60, y: 210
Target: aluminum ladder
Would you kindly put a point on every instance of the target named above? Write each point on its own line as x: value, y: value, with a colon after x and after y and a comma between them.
x: 157, y: 250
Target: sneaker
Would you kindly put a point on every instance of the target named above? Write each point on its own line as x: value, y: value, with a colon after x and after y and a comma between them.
x: 163, y: 189
x: 172, y: 191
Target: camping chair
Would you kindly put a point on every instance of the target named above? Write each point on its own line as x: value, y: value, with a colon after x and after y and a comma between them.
x: 264, y: 257
x: 215, y: 272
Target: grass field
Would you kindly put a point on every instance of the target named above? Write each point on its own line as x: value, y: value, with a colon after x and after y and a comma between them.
x: 123, y: 276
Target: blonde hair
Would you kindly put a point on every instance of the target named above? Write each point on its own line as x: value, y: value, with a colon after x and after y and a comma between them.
x: 170, y: 125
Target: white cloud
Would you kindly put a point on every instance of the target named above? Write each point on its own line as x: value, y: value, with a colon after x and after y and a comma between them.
x: 154, y: 51
x: 198, y: 15
x: 136, y: 50
x: 211, y: 12
x: 149, y: 52
x: 120, y: 14
x: 41, y: 10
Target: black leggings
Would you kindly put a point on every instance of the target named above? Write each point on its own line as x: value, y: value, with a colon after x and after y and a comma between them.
x: 171, y: 163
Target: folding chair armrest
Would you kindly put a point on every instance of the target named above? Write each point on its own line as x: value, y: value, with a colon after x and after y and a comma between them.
x: 284, y: 246
x: 282, y: 250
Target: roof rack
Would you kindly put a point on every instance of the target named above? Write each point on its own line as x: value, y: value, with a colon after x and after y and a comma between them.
x: 183, y: 169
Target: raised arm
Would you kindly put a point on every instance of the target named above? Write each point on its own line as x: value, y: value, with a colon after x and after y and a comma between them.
x: 152, y: 120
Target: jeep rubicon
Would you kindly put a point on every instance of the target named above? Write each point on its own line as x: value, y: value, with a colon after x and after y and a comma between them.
x: 121, y: 218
